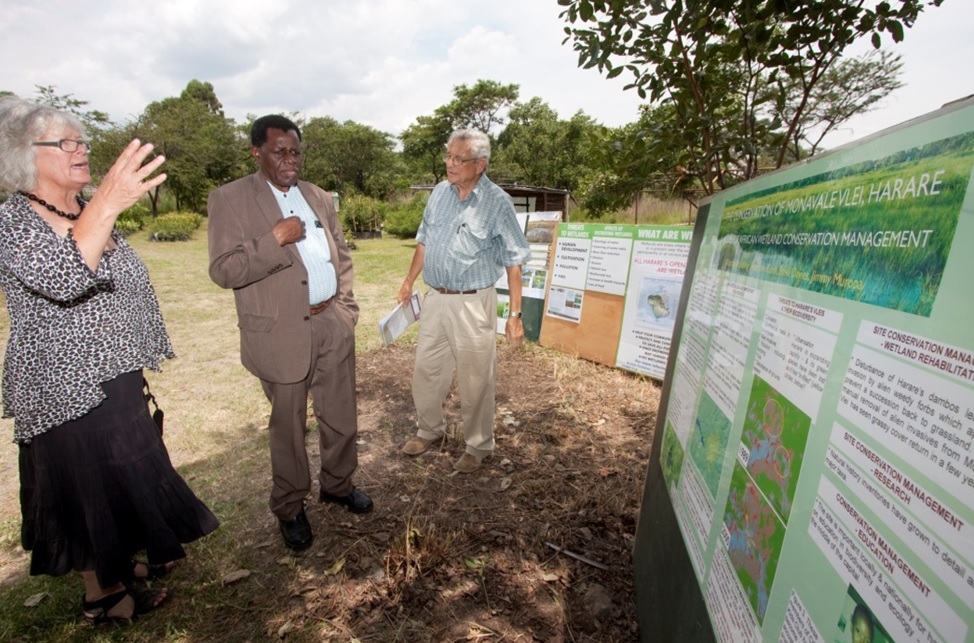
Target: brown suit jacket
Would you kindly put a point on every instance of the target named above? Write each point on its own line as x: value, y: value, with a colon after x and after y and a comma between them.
x: 270, y: 282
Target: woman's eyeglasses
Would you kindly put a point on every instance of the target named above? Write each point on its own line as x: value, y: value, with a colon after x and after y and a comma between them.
x: 66, y: 144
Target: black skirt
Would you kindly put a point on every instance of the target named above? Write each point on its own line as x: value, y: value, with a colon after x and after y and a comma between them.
x: 97, y: 490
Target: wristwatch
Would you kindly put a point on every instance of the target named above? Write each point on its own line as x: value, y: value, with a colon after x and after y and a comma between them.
x: 516, y: 314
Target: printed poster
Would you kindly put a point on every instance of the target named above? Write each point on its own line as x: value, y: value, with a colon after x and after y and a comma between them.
x: 817, y: 446
x: 539, y: 230
x: 658, y: 262
x: 620, y: 285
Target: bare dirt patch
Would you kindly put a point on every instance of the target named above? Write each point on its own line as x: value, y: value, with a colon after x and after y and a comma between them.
x: 451, y: 557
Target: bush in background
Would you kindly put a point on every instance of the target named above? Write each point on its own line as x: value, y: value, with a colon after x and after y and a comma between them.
x: 175, y: 226
x: 362, y: 214
x: 404, y: 217
x: 133, y: 219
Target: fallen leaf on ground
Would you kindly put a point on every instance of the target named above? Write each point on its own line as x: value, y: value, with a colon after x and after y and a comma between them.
x: 335, y: 567
x: 35, y: 600
x: 285, y: 629
x: 233, y: 577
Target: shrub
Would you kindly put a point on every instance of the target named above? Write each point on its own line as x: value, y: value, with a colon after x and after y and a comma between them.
x: 133, y: 219
x: 403, y: 219
x: 127, y: 227
x: 175, y: 226
x: 362, y: 214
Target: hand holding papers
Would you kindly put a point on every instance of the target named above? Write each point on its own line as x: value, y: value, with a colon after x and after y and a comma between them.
x: 399, y: 319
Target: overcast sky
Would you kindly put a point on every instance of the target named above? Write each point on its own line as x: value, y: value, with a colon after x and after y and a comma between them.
x: 377, y: 62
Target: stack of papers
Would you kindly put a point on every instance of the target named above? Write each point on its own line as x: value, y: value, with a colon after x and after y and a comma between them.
x: 399, y: 319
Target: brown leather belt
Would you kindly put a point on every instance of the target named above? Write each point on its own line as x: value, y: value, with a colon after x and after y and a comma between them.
x: 447, y: 291
x: 320, y: 308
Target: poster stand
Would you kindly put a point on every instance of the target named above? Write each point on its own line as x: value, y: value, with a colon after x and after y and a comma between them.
x: 812, y: 467
x: 664, y: 578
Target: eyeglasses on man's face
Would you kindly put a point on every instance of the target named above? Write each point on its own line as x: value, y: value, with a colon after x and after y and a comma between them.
x: 456, y: 160
x: 66, y: 144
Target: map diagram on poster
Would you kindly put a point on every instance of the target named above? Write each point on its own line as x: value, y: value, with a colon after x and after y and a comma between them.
x: 753, y: 534
x: 708, y: 442
x: 773, y: 445
x: 658, y: 301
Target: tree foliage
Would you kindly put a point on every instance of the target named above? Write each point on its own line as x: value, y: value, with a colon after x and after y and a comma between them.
x: 733, y: 88
x: 538, y: 148
x: 95, y: 121
x: 732, y: 69
x: 403, y: 217
x: 850, y: 87
x: 423, y: 144
x: 203, y: 149
x: 479, y: 107
x: 348, y: 157
x: 360, y: 213
x: 649, y: 154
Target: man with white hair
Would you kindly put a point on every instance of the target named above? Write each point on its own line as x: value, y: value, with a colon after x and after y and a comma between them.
x: 468, y: 237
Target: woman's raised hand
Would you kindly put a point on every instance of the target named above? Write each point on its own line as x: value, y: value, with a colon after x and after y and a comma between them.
x: 129, y: 178
x: 126, y: 182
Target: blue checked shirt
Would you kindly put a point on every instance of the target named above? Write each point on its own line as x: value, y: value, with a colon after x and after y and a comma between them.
x: 469, y: 243
x: 322, y: 281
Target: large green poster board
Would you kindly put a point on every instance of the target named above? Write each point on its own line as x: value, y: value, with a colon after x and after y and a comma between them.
x: 815, y: 439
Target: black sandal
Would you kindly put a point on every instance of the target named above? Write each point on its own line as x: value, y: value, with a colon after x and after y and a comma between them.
x: 154, y: 572
x: 143, y: 600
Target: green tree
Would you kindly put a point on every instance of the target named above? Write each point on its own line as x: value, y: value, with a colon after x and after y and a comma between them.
x: 718, y: 62
x: 106, y: 147
x: 423, y: 144
x: 851, y: 87
x: 538, y: 148
x: 349, y: 157
x: 649, y: 154
x: 201, y: 146
x: 479, y: 107
x: 360, y: 213
x: 205, y: 94
x: 93, y: 119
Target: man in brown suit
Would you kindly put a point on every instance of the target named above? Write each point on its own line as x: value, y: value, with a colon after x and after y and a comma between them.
x: 276, y: 241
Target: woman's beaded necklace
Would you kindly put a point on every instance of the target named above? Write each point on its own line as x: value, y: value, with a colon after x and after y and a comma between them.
x: 61, y: 213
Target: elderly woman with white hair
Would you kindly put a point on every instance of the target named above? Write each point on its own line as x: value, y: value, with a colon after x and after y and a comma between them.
x: 96, y: 483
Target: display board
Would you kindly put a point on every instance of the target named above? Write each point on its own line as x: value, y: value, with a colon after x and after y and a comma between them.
x: 812, y: 473
x: 539, y: 230
x: 613, y: 293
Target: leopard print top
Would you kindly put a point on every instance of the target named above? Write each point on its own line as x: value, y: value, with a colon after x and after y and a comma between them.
x: 70, y: 328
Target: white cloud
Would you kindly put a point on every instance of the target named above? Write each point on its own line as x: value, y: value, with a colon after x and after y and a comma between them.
x: 378, y: 62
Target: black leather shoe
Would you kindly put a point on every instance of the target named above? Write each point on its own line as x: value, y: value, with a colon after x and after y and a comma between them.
x: 297, y: 532
x: 356, y: 501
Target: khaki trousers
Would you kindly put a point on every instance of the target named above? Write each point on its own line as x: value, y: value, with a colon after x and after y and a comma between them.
x: 331, y: 382
x: 457, y: 333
